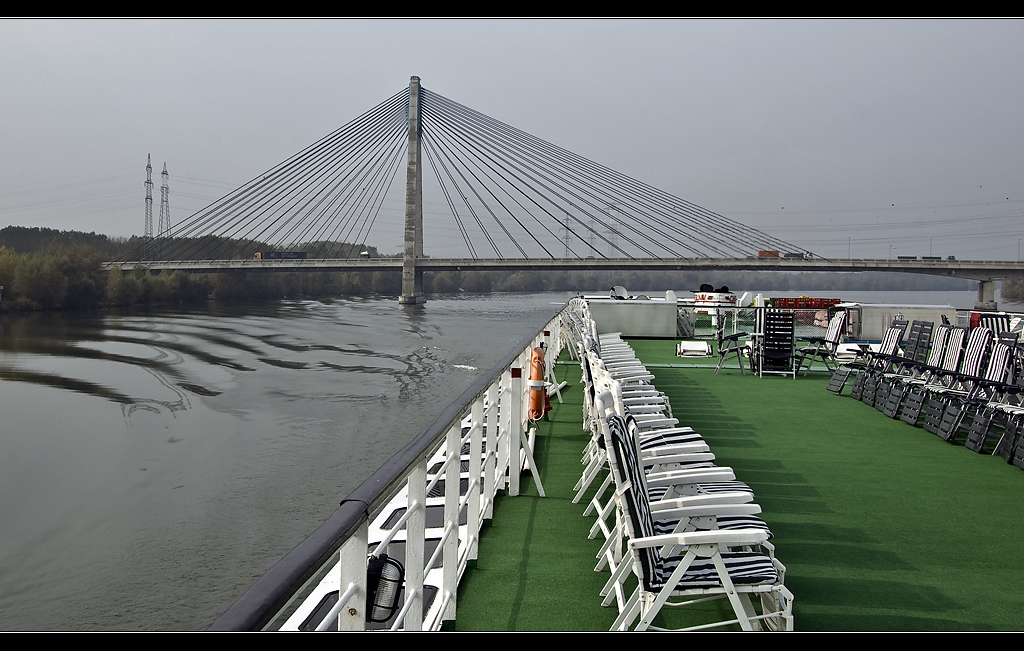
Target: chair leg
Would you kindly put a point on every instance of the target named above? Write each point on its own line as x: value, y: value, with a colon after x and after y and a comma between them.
x: 629, y: 612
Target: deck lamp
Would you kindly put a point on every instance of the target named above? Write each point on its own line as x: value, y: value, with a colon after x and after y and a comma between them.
x: 384, y: 577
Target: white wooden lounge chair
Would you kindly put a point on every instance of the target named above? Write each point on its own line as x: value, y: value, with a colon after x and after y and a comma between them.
x: 706, y: 567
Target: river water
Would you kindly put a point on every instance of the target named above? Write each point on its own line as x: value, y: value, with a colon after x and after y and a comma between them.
x: 154, y: 463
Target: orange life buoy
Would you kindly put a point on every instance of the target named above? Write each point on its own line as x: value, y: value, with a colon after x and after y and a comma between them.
x: 538, y: 392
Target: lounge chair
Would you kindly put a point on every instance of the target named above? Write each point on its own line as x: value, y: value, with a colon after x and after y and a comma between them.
x: 728, y: 344
x: 870, y: 363
x: 823, y: 348
x: 706, y: 567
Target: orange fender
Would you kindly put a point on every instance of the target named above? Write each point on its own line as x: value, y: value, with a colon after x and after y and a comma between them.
x: 538, y: 392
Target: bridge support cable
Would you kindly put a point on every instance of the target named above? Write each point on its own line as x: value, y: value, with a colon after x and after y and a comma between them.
x: 474, y: 186
x: 520, y: 174
x: 629, y: 190
x: 628, y: 196
x: 451, y: 203
x: 506, y: 192
x: 503, y: 179
x: 350, y: 207
x: 235, y: 211
x: 296, y: 197
x: 579, y: 192
x: 345, y: 156
x: 335, y: 173
x: 602, y: 216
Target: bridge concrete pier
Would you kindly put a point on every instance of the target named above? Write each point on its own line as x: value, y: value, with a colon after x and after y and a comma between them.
x: 412, y: 278
x: 986, y: 296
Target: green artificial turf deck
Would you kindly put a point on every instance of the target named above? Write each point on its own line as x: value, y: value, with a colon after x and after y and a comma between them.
x: 881, y: 525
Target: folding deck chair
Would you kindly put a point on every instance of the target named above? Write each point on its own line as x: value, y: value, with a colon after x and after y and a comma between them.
x: 870, y: 363
x: 823, y: 348
x: 728, y: 344
x: 1009, y: 446
x: 994, y: 321
x: 705, y: 566
x: 938, y: 391
x: 675, y: 481
x: 946, y: 351
x: 893, y: 384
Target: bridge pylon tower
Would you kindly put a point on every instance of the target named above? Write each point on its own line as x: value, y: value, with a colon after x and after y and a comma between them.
x: 412, y: 278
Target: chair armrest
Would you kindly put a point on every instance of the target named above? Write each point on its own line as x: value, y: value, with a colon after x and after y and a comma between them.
x: 693, y: 476
x: 729, y: 497
x: 708, y: 509
x: 685, y: 457
x: 658, y: 454
x: 731, y: 537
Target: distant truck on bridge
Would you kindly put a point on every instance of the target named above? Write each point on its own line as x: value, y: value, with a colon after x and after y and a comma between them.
x: 280, y: 255
x: 787, y: 256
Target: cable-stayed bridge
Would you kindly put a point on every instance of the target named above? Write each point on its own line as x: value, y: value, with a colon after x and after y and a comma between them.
x: 510, y: 201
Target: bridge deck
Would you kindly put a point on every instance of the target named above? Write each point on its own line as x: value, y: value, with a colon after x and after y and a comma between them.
x: 972, y: 269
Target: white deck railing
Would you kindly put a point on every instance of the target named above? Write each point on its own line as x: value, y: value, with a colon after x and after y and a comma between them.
x: 321, y: 584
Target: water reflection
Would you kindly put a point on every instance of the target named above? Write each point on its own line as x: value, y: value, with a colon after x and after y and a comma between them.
x: 154, y: 462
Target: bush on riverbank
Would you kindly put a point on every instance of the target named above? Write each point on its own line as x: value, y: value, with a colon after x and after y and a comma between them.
x: 1013, y: 290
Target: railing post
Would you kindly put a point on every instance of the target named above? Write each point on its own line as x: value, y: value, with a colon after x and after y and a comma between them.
x: 353, y: 571
x: 450, y: 554
x: 506, y: 445
x: 492, y: 449
x: 415, y: 554
x: 515, y: 425
x: 475, y: 476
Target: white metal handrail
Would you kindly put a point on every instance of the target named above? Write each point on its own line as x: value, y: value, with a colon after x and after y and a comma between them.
x: 496, y: 412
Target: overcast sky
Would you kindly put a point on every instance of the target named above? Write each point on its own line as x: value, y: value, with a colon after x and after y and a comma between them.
x: 834, y: 135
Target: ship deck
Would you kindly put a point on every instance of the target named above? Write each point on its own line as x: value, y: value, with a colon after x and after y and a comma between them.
x: 881, y: 525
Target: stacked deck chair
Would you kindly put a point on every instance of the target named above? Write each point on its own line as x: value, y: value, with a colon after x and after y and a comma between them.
x: 688, y: 492
x: 776, y: 354
x: 886, y: 399
x: 1012, y: 339
x: 689, y: 566
x: 651, y: 405
x: 919, y: 341
x: 664, y: 446
x: 888, y: 389
x: 914, y: 351
x: 874, y: 365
